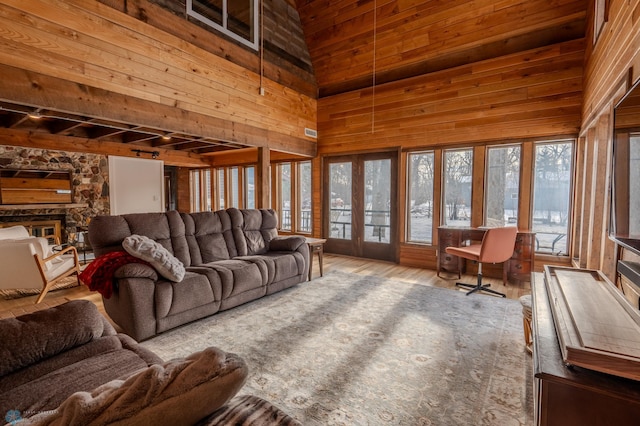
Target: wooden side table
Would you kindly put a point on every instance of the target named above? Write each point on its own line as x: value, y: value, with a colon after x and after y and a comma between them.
x: 316, y: 245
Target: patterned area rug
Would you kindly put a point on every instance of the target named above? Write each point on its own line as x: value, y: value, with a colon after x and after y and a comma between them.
x: 352, y: 350
x: 67, y: 282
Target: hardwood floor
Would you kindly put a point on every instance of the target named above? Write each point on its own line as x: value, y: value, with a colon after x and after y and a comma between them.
x: 392, y: 271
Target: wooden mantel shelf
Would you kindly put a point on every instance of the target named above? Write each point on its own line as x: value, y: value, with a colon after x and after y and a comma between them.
x: 6, y: 207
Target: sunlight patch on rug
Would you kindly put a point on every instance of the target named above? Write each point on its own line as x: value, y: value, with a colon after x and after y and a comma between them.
x: 354, y: 350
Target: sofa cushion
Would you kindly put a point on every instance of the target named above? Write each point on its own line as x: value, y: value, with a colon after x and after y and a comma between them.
x: 193, y: 291
x: 27, y: 339
x: 159, y: 257
x: 253, y: 229
x: 209, y: 236
x: 238, y: 276
x: 181, y: 391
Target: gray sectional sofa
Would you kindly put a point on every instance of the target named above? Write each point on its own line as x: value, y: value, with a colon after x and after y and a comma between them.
x: 231, y: 257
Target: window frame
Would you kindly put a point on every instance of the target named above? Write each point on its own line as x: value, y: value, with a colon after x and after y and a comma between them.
x: 443, y: 186
x: 295, y: 202
x: 224, y: 27
x: 570, y: 201
x: 205, y: 194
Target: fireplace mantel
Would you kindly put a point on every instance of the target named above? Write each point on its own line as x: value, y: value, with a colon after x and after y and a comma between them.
x: 62, y: 206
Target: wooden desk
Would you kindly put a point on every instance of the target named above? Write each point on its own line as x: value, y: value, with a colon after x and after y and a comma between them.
x: 567, y: 396
x: 316, y: 245
x: 517, y: 269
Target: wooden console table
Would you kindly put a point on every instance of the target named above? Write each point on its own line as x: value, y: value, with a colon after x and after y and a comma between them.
x: 565, y: 395
x: 517, y: 269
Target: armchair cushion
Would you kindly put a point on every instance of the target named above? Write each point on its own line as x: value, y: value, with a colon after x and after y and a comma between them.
x: 203, y: 382
x: 14, y: 233
x: 159, y: 257
x: 40, y: 245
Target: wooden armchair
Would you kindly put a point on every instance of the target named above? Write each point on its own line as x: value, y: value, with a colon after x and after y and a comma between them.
x: 29, y: 263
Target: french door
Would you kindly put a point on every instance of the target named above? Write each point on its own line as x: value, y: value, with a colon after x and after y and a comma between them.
x: 360, y: 205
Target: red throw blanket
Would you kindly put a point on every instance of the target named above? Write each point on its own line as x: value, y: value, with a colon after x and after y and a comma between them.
x: 98, y: 275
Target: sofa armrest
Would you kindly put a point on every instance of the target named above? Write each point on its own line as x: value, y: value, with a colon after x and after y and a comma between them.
x: 147, y: 355
x: 132, y: 306
x: 136, y: 270
x: 286, y: 243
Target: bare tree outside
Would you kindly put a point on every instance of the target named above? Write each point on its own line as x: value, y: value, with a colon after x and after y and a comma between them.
x: 458, y: 179
x: 502, y: 185
x: 377, y: 174
x: 340, y: 202
x: 420, y: 204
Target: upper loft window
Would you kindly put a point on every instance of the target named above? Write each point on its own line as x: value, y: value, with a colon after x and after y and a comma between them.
x: 600, y: 16
x: 236, y: 18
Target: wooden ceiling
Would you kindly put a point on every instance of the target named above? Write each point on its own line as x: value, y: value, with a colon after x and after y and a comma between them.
x: 347, y: 41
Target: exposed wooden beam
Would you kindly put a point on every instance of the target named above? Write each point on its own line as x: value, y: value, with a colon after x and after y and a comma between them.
x: 262, y: 179
x: 68, y: 143
x: 53, y: 93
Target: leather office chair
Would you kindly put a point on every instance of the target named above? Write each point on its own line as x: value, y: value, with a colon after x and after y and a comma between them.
x: 496, y: 247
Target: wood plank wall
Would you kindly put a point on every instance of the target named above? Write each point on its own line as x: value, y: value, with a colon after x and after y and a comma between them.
x: 537, y: 93
x: 612, y: 64
x: 95, y: 46
x: 521, y: 97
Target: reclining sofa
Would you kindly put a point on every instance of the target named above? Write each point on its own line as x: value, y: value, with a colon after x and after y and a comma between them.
x: 66, y: 365
x: 230, y: 256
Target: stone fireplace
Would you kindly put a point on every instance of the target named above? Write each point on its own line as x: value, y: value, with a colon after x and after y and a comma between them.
x: 90, y: 189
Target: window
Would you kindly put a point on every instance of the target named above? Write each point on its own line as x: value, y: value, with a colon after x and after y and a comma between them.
x: 304, y: 197
x: 293, y: 196
x: 551, y: 196
x: 200, y: 190
x: 234, y: 189
x: 458, y: 179
x: 249, y: 187
x: 284, y: 186
x: 502, y: 185
x: 600, y: 16
x: 228, y: 186
x: 340, y: 203
x: 221, y: 190
x: 420, y: 201
x: 377, y: 199
x: 237, y: 19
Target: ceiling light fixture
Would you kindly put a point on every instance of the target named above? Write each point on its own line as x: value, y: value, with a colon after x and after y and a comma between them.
x: 154, y: 154
x: 35, y: 115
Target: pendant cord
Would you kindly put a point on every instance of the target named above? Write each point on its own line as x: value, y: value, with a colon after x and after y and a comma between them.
x: 373, y: 78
